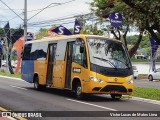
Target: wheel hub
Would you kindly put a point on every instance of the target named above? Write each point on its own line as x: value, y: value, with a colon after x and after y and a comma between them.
x: 78, y: 90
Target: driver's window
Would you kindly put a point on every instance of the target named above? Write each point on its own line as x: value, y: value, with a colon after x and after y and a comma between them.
x: 78, y: 57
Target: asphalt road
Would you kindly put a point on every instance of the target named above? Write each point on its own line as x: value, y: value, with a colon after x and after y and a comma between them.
x: 147, y: 84
x: 17, y: 95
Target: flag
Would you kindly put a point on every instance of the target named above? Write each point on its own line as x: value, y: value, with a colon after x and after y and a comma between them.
x: 116, y: 19
x: 154, y: 47
x: 61, y: 30
x: 29, y: 36
x: 9, y: 41
x: 50, y: 33
x: 77, y: 27
x: 7, y: 33
x: 16, y: 35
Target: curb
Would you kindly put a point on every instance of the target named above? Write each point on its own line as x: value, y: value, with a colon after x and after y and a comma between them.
x: 143, y: 79
x: 146, y: 100
x: 10, y: 77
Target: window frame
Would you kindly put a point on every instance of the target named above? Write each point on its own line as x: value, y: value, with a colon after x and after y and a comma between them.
x: 82, y: 54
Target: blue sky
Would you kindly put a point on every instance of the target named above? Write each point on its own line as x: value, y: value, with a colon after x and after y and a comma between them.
x: 76, y: 7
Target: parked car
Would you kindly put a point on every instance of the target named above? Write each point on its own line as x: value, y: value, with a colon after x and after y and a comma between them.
x: 4, y: 64
x: 135, y: 72
x: 154, y: 75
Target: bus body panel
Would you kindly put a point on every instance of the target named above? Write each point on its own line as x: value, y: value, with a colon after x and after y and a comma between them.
x: 27, y: 70
x: 79, y: 72
x: 40, y: 67
x: 59, y: 74
x: 109, y: 84
x: 59, y: 67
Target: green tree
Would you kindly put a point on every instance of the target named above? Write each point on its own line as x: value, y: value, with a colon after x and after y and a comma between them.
x: 144, y: 45
x: 92, y: 30
x: 131, y: 40
x: 142, y: 14
x: 1, y: 32
x: 43, y: 32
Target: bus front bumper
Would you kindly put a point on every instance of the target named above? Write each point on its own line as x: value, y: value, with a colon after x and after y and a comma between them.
x: 107, y: 88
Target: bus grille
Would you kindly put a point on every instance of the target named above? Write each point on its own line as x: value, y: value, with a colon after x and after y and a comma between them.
x: 113, y: 88
x: 96, y: 89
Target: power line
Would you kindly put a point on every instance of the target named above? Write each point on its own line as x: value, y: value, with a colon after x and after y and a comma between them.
x: 52, y: 24
x: 15, y: 17
x: 59, y: 19
x: 58, y: 22
x: 33, y: 10
x: 47, y: 22
x: 64, y: 22
x: 40, y: 11
x: 58, y: 4
x: 11, y: 9
x: 51, y: 21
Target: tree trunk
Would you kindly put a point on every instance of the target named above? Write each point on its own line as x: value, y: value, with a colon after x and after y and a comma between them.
x: 133, y: 50
x: 117, y: 37
x: 124, y: 36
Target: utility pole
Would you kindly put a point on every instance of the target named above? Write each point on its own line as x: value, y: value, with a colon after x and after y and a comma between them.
x: 25, y: 20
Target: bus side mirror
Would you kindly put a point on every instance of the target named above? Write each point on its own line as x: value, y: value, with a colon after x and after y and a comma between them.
x: 81, y: 49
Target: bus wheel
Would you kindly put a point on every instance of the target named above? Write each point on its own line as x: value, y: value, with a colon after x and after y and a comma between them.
x: 37, y: 86
x: 116, y: 96
x: 78, y: 91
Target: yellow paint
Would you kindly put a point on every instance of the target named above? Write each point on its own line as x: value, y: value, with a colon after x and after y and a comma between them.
x: 59, y: 74
x: 40, y: 67
x: 83, y: 76
x: 2, y: 109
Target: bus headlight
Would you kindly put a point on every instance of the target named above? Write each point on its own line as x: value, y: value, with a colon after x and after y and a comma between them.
x: 130, y: 80
x: 95, y: 79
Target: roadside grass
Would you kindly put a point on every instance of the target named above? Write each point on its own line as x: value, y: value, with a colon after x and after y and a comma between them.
x: 138, y: 60
x: 3, y: 73
x: 148, y: 93
x: 142, y: 60
x: 142, y: 76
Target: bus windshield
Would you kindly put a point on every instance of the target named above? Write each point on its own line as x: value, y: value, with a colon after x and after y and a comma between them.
x: 108, y: 53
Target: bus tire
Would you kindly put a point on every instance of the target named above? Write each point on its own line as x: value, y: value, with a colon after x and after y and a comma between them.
x: 78, y: 91
x: 37, y: 86
x: 116, y: 96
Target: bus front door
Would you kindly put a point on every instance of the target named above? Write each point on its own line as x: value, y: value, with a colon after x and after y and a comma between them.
x: 69, y: 64
x: 51, y: 60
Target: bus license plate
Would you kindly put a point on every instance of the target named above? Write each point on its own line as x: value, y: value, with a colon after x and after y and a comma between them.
x: 113, y: 92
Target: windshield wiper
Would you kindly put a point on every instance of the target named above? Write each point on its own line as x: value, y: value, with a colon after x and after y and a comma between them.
x: 107, y: 61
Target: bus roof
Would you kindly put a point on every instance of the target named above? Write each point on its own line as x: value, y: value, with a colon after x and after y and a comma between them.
x: 62, y: 37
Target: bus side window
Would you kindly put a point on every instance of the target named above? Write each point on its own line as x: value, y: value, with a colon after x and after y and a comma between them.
x: 42, y: 51
x: 78, y: 57
x: 34, y: 51
x: 27, y: 52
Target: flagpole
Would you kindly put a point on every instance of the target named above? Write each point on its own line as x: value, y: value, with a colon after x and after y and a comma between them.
x: 7, y: 68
